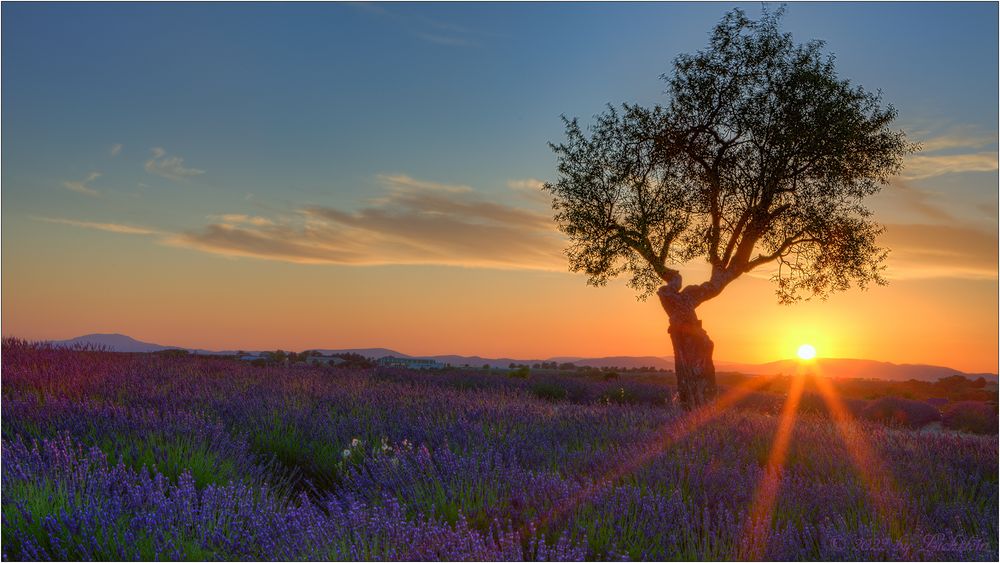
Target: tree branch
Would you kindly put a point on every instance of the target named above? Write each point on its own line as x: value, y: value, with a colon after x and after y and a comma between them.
x: 781, y: 251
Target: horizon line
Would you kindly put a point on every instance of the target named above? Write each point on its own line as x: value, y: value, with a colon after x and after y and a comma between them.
x: 505, y: 357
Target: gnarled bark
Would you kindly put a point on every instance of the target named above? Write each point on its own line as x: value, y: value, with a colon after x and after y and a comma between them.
x: 693, y: 363
x: 693, y: 348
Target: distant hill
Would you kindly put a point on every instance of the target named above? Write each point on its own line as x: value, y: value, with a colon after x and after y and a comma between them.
x: 366, y: 352
x: 831, y: 367
x: 855, y: 368
x: 112, y: 342
x: 124, y: 343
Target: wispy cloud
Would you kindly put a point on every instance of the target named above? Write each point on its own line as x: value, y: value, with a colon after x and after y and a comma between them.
x: 116, y: 149
x: 415, y: 222
x: 109, y: 227
x: 443, y: 39
x: 952, y: 150
x: 426, y: 29
x: 923, y: 202
x: 923, y: 166
x: 170, y: 167
x: 530, y: 189
x: 239, y: 218
x: 402, y: 182
x: 955, y: 137
x: 941, y: 251
x: 80, y: 186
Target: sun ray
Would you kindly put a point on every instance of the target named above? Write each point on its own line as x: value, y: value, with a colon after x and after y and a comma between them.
x: 671, y: 433
x: 884, y: 493
x: 758, y: 525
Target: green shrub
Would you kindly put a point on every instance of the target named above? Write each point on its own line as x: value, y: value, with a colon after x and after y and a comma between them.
x: 549, y: 391
x: 521, y: 373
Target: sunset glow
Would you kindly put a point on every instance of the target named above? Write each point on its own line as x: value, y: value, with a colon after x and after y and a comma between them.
x: 500, y: 281
x: 336, y: 210
x: 806, y: 352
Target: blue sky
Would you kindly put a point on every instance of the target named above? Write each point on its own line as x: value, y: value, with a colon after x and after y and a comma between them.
x: 312, y: 100
x: 152, y: 131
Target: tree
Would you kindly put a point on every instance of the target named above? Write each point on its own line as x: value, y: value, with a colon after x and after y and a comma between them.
x: 354, y: 361
x: 521, y: 372
x: 762, y: 155
x: 277, y: 357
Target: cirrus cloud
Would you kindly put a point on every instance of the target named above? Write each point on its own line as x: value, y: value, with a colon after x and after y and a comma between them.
x: 921, y: 167
x: 414, y: 222
x: 952, y: 150
x: 941, y: 251
x: 530, y: 189
x: 170, y: 167
x: 430, y: 223
x: 109, y: 227
x: 82, y: 187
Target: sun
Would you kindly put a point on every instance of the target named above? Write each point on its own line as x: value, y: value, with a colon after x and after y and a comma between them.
x: 807, y: 352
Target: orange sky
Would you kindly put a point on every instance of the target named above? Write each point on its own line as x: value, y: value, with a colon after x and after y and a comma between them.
x: 200, y: 300
x: 486, y: 279
x: 346, y: 177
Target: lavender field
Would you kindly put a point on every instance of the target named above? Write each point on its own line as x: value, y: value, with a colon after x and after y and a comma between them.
x: 140, y: 456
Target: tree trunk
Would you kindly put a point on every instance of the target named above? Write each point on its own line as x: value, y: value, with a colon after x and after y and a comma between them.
x: 692, y: 347
x: 692, y: 362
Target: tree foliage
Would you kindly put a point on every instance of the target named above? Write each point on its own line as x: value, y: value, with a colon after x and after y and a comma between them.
x: 762, y: 154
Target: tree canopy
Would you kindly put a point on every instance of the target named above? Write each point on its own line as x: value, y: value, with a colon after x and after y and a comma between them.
x: 761, y: 154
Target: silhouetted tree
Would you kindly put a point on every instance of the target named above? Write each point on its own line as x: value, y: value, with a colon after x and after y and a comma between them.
x: 762, y: 155
x: 354, y: 361
x: 521, y: 372
x: 277, y: 357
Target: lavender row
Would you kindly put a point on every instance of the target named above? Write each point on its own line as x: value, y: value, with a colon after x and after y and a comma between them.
x: 96, y: 444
